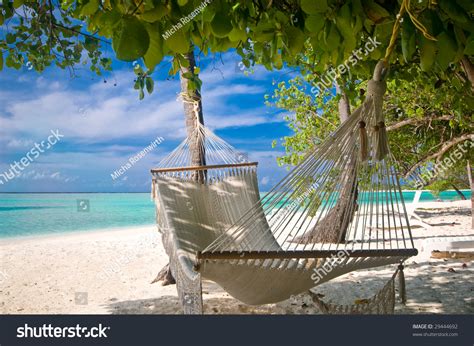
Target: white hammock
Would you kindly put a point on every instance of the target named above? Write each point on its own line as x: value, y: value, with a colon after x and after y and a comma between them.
x: 340, y: 210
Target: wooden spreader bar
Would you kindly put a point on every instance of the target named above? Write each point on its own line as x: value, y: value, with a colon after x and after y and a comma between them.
x: 297, y: 254
x: 202, y: 168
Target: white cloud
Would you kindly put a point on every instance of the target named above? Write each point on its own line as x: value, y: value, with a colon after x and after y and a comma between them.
x: 104, y: 112
x: 45, y: 175
x: 19, y: 143
x: 103, y: 125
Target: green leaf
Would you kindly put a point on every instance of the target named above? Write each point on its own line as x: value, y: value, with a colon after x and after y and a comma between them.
x: 178, y: 42
x: 296, y: 40
x: 237, y: 35
x: 141, y: 94
x: 469, y: 49
x: 131, y: 40
x: 332, y: 38
x: 343, y: 23
x: 90, y: 8
x: 18, y: 3
x: 427, y: 54
x: 314, y: 23
x: 90, y: 44
x: 375, y: 12
x: 277, y: 61
x: 221, y: 25
x: 432, y: 22
x: 453, y: 10
x: 154, y: 54
x: 408, y: 39
x: 149, y: 84
x: 314, y: 6
x: 155, y: 14
x: 182, y: 2
x: 447, y: 49
x: 1, y: 60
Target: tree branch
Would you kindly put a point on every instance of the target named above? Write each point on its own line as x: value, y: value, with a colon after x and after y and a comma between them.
x: 81, y: 33
x: 445, y: 147
x: 413, y: 121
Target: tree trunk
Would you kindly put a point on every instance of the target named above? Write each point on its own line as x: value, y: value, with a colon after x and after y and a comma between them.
x: 344, y: 107
x: 193, y: 117
x: 459, y: 192
x: 468, y: 69
x: 471, y: 184
x: 332, y: 228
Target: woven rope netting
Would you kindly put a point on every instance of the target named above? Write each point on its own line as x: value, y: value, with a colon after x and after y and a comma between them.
x: 344, y: 195
x: 217, y: 153
x: 205, y: 143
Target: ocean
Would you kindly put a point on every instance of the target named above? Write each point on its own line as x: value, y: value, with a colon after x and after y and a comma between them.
x: 46, y: 213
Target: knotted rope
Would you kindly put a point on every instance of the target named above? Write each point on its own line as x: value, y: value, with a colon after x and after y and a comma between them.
x: 405, y: 7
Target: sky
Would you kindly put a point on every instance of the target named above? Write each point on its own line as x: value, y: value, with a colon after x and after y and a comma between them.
x: 103, y: 123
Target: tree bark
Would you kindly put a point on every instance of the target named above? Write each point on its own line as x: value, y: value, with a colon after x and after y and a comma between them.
x: 470, y: 175
x: 459, y: 192
x: 192, y: 113
x: 344, y: 107
x: 444, y: 148
x: 468, y: 69
x: 193, y: 117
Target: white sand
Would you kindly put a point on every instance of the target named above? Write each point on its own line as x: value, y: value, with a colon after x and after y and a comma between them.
x: 107, y: 272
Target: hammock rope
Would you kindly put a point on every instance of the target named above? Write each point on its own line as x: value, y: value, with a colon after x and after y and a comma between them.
x: 264, y: 249
x: 343, y: 198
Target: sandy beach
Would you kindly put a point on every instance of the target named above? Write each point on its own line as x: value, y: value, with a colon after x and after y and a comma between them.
x: 109, y: 272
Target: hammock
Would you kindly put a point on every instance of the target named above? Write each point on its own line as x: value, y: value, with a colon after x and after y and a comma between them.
x: 338, y: 211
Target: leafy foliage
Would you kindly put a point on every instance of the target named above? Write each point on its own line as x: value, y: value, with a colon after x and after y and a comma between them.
x: 38, y: 34
x: 424, y: 113
x: 267, y: 32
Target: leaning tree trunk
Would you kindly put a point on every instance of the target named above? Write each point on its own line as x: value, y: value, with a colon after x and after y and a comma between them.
x: 471, y: 184
x: 333, y: 226
x: 468, y: 68
x: 193, y: 117
x: 459, y: 192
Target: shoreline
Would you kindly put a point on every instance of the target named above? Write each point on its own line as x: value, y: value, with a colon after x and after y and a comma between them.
x: 104, y: 192
x: 109, y: 271
x: 78, y: 233
x: 421, y: 205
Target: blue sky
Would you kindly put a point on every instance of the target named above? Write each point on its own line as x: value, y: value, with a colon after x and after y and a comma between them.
x: 103, y: 124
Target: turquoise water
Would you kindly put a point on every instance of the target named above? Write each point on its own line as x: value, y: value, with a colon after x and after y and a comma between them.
x: 34, y: 214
